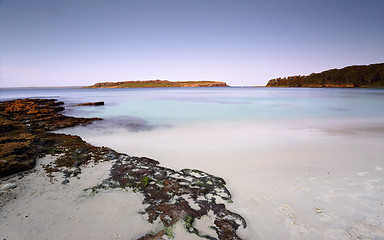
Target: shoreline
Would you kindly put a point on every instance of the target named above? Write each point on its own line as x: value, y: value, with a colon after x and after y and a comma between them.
x: 316, y: 185
x: 174, y: 197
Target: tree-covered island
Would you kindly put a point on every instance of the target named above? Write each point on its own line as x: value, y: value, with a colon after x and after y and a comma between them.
x: 158, y: 84
x: 352, y: 76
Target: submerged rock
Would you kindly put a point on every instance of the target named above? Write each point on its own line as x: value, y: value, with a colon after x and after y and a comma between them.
x: 89, y: 104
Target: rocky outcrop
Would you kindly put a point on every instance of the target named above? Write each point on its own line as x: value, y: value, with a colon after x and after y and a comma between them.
x: 174, y: 196
x: 23, y: 131
x: 89, y: 104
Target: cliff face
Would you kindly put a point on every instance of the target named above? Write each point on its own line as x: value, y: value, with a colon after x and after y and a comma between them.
x: 353, y: 76
x: 157, y: 83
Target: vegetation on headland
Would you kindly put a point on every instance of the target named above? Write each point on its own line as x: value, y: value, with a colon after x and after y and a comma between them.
x: 352, y: 76
x: 158, y: 84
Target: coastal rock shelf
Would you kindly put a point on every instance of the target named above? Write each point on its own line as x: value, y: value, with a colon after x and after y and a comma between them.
x: 24, y: 126
x: 171, y: 197
x: 175, y: 196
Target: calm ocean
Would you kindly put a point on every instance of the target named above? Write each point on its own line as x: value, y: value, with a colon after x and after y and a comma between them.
x: 178, y: 105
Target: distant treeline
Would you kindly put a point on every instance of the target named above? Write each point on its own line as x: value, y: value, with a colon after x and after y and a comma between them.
x: 353, y: 76
x: 157, y: 84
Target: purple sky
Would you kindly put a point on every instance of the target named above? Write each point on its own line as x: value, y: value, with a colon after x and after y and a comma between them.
x: 241, y: 42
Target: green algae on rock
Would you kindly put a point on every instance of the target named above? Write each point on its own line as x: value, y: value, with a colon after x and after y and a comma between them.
x: 173, y: 196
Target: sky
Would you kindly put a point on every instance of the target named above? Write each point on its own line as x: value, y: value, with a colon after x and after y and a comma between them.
x: 242, y: 42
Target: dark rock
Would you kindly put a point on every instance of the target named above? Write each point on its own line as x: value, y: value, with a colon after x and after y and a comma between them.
x: 23, y: 131
x: 158, y: 236
x: 169, y: 194
x: 90, y: 104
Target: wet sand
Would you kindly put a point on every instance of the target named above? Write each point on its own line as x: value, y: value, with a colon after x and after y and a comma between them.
x: 305, y: 180
x: 290, y: 180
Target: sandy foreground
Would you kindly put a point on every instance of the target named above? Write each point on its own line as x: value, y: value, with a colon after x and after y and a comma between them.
x: 288, y: 183
x: 39, y: 208
x: 289, y: 180
x: 34, y: 206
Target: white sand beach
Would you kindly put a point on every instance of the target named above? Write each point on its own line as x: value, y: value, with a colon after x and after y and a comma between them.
x: 39, y: 208
x: 289, y: 180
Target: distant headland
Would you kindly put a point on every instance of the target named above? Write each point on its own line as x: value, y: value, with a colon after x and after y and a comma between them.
x: 352, y: 76
x: 157, y: 84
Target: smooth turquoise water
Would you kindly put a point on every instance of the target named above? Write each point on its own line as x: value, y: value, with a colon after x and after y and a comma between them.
x: 180, y: 105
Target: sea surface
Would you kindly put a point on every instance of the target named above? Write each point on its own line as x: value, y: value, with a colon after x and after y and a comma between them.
x: 186, y: 105
x: 300, y: 163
